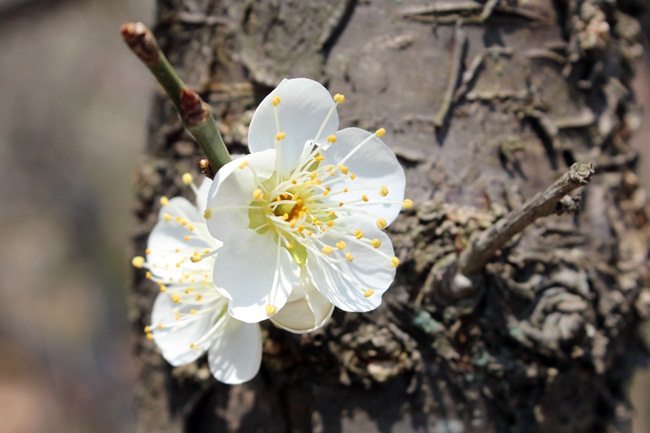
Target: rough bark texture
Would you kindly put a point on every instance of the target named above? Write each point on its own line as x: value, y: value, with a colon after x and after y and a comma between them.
x: 486, y: 104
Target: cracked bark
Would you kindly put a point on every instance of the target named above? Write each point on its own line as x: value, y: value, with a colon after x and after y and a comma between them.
x: 483, y: 113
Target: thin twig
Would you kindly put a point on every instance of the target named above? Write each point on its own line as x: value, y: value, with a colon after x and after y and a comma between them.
x: 458, y: 46
x: 544, y: 203
x: 196, y: 115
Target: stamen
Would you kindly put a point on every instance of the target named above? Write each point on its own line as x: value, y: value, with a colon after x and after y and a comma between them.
x: 349, y: 256
x: 384, y: 191
x: 376, y: 243
x: 164, y: 201
x: 331, y: 139
x: 340, y: 245
x: 380, y: 132
x: 327, y: 250
x: 275, y: 101
x: 270, y: 310
x: 138, y: 262
x: 258, y: 194
x: 243, y: 164
x: 167, y: 217
x: 394, y: 262
x: 358, y: 234
x: 381, y: 223
x: 207, y: 214
x: 339, y: 99
x: 368, y: 293
x: 365, y: 198
x: 187, y: 178
x: 280, y: 136
x: 343, y: 168
x: 408, y: 204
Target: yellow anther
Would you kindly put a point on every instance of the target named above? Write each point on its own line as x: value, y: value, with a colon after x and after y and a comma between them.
x: 270, y: 310
x: 380, y: 132
x: 383, y: 191
x: 330, y: 223
x: 358, y: 234
x: 319, y: 158
x: 344, y: 169
x: 292, y: 223
x: 381, y: 223
x: 300, y: 228
x: 147, y: 329
x: 294, y: 181
x: 349, y: 257
x: 291, y: 245
x: 309, y: 233
x: 313, y: 175
x: 148, y: 275
x: 164, y: 201
x: 365, y: 198
x: 199, y: 297
x: 243, y: 164
x: 138, y: 262
x: 149, y: 336
x: 280, y: 136
x: 408, y: 204
x: 339, y: 99
x: 325, y: 193
x: 331, y: 138
x: 353, y: 176
x: 177, y: 315
x: 394, y: 262
x: 331, y: 213
x: 341, y: 204
x: 176, y: 299
x: 160, y: 326
x: 189, y: 290
x: 285, y: 217
x: 187, y: 178
x: 327, y: 249
x: 147, y: 251
x: 258, y: 194
x: 345, y: 190
x: 207, y: 214
x: 275, y: 101
x: 190, y: 227
x: 192, y: 345
x: 330, y: 167
x: 368, y: 293
x: 178, y: 265
x: 340, y: 245
x: 376, y: 243
x: 317, y: 222
x: 187, y: 237
x: 167, y: 217
x: 163, y: 289
x: 196, y: 258
x: 192, y: 311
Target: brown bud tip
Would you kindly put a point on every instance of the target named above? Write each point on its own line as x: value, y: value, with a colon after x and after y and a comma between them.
x: 193, y: 110
x: 204, y: 165
x: 141, y: 41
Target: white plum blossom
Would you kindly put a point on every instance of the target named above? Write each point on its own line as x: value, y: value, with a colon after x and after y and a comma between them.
x: 302, y: 217
x: 189, y: 316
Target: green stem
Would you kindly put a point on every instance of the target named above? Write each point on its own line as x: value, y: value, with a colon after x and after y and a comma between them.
x: 196, y: 115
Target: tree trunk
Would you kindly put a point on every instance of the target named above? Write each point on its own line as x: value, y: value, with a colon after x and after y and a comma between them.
x: 486, y: 103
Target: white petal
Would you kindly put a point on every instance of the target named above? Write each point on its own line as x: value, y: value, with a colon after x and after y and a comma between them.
x: 375, y: 166
x: 175, y: 342
x: 234, y: 186
x: 245, y: 270
x: 236, y: 352
x: 345, y: 282
x: 202, y: 195
x: 305, y: 314
x: 168, y: 245
x: 304, y: 107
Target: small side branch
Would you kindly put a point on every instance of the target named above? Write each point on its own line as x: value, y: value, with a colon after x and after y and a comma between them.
x: 482, y: 248
x: 195, y: 114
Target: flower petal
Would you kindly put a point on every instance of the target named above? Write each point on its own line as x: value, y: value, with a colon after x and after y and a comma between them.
x: 345, y: 282
x: 174, y: 343
x: 232, y: 191
x: 236, y: 352
x: 304, y: 314
x: 202, y: 194
x: 304, y: 107
x: 245, y: 270
x: 375, y: 165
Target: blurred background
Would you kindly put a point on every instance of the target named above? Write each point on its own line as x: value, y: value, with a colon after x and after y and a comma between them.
x: 73, y: 111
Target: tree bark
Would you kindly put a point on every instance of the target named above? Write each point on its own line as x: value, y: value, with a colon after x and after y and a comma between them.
x: 486, y: 103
